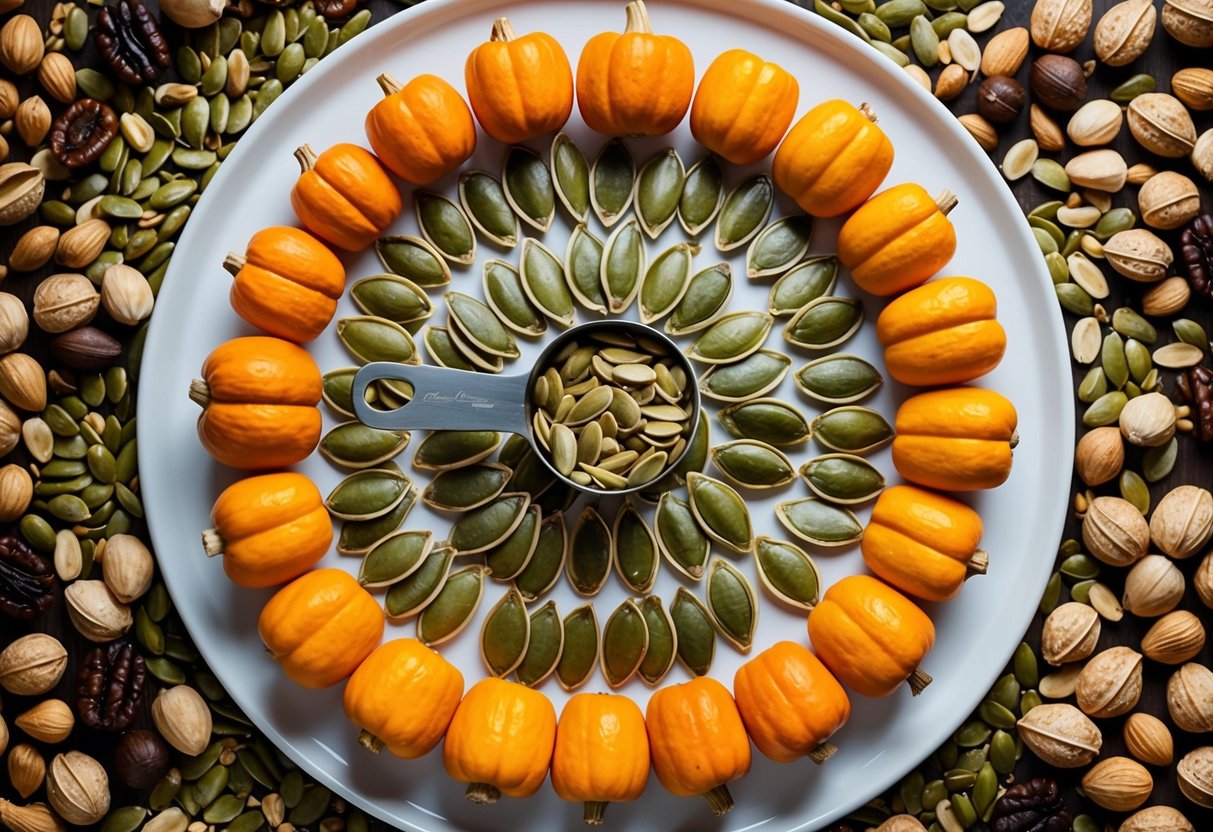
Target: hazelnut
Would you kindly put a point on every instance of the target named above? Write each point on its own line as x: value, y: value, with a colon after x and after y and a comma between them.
x: 1174, y: 639
x: 1061, y: 735
x: 1182, y: 522
x: 140, y: 759
x: 1148, y: 739
x: 1195, y: 776
x: 1070, y: 633
x: 1000, y: 99
x: 1190, y: 698
x: 1118, y: 784
x: 1057, y: 82
x: 50, y: 721
x: 1110, y: 683
x: 1100, y: 455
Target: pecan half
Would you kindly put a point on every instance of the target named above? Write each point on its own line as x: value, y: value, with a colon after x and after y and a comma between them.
x: 1196, y: 253
x: 109, y: 686
x: 1196, y: 386
x: 336, y: 9
x: 82, y: 132
x: 1032, y: 806
x: 26, y: 581
x: 130, y: 40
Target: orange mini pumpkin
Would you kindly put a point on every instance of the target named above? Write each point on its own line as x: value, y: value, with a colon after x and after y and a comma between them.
x: 898, y: 239
x: 258, y: 397
x: 500, y: 740
x: 790, y: 703
x: 958, y: 439
x: 402, y: 697
x: 743, y: 106
x: 601, y: 754
x: 943, y: 332
x: 698, y: 741
x: 422, y: 130
x: 320, y: 627
x: 923, y: 543
x: 871, y: 637
x: 269, y: 529
x: 344, y: 196
x: 520, y: 87
x: 833, y: 159
x: 287, y: 282
x: 635, y: 83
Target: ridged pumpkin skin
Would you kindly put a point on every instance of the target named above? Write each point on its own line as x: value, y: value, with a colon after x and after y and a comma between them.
x: 790, y: 703
x: 402, y: 697
x: 870, y: 636
x: 923, y: 543
x: 898, y: 239
x: 635, y: 83
x: 320, y: 627
x: 287, y: 283
x: 520, y: 87
x: 258, y: 397
x: 833, y: 159
x: 422, y: 130
x: 743, y: 106
x: 270, y: 529
x: 958, y: 439
x: 601, y: 754
x: 344, y: 196
x: 943, y: 332
x: 697, y: 740
x: 500, y: 740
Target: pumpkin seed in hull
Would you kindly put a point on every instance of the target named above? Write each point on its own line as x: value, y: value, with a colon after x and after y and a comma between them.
x: 485, y: 527
x: 612, y: 182
x: 695, y: 632
x: 665, y: 282
x: 816, y: 521
x: 705, y: 300
x: 466, y: 488
x: 483, y: 198
x: 411, y: 595
x: 625, y: 640
x: 752, y: 464
x: 445, y: 227
x: 544, y: 647
x: 623, y: 266
x: 390, y: 296
x: 415, y: 259
x: 336, y: 390
x: 507, y: 559
x: 367, y: 494
x: 463, y: 345
x: 581, y: 648
x: 477, y: 322
x: 359, y: 536
x: 658, y: 191
x: 702, y: 195
x: 453, y: 607
x: 368, y: 338
x: 838, y: 379
x: 731, y: 338
x: 395, y: 558
x: 583, y: 269
x: 634, y: 549
x: 589, y: 561
x: 570, y: 176
x: 663, y: 641
x: 720, y: 512
x: 752, y: 377
x: 442, y: 352
x: 354, y: 445
x: 843, y: 478
x: 528, y: 187
x: 547, y: 561
x: 446, y: 449
x: 679, y: 537
x: 852, y: 429
x: 744, y: 212
x: 812, y: 279
x: 824, y: 323
x: 543, y: 280
x: 768, y: 420
x: 779, y: 246
x: 504, y: 294
x: 732, y: 604
x: 505, y: 635
x: 787, y: 572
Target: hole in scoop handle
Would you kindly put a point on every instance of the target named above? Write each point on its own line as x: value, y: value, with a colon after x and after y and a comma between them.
x: 445, y: 399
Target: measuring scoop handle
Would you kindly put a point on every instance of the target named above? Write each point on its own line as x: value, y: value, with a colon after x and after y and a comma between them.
x: 445, y: 399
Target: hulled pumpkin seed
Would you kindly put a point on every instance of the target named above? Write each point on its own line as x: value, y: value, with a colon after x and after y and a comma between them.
x: 679, y: 537
x: 483, y: 199
x: 732, y: 604
x: 583, y: 269
x: 394, y: 558
x: 838, y: 379
x: 453, y: 607
x: 483, y: 528
x: 369, y: 338
x: 581, y: 648
x: 545, y: 646
x: 625, y: 640
x: 589, y: 561
x: 390, y: 296
x: 720, y: 512
x: 463, y: 489
x: 843, y: 478
x: 623, y: 266
x: 852, y: 429
x: 1158, y: 461
x: 528, y: 187
x: 504, y: 294
x: 753, y: 464
x: 612, y: 182
x: 812, y: 279
x: 823, y: 323
x: 666, y: 282
x: 355, y: 445
x: 702, y: 195
x: 477, y: 323
x: 547, y: 561
x: 359, y: 536
x: 787, y: 572
x: 820, y: 523
x: 744, y: 212
x: 658, y: 191
x: 706, y: 297
x: 446, y: 449
x: 754, y: 376
x: 543, y: 281
x: 414, y: 258
x: 570, y: 176
x: 768, y: 420
x: 445, y: 227
x: 634, y: 549
x: 694, y: 631
x: 779, y: 246
x: 368, y: 494
x: 507, y: 559
x: 663, y: 641
x: 1185, y: 329
x: 731, y: 338
x: 505, y: 634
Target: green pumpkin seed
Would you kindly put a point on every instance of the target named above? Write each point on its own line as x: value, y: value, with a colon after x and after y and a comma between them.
x: 666, y: 282
x: 528, y: 187
x: 368, y: 338
x: 663, y: 641
x: 1105, y: 410
x: 704, y: 301
x: 768, y: 420
x: 694, y: 631
x: 838, y: 379
x: 852, y: 429
x: 634, y: 549
x: 504, y: 294
x: 1134, y: 489
x: 589, y: 561
x: 545, y: 647
x: 442, y: 350
x: 625, y: 641
x: 505, y: 635
x: 354, y: 445
x: 702, y: 195
x: 787, y: 572
x: 570, y: 176
x: 753, y: 464
x: 731, y: 338
x: 720, y: 512
x: 583, y: 269
x: 445, y: 227
x: 844, y: 479
x: 1157, y: 462
x: 446, y: 449
x: 543, y: 281
x: 453, y: 607
x: 483, y: 200
x: 1137, y: 356
x: 483, y: 528
x: 478, y: 324
x: 1185, y: 329
x: 659, y: 190
x: 1093, y: 385
x: 623, y: 266
x: 581, y: 648
x: 1132, y: 325
x: 359, y: 536
x: 414, y: 258
x: 612, y: 182
x: 744, y: 212
x: 752, y: 377
x: 408, y: 597
x: 779, y: 246
x: 463, y: 489
x: 695, y: 457
x: 531, y: 476
x: 830, y: 13
x: 679, y: 537
x: 810, y: 280
x: 128, y: 818
x: 1130, y: 89
x: 819, y: 523
x: 395, y: 558
x: 547, y: 561
x: 368, y: 494
x: 509, y: 558
x: 392, y: 297
x: 825, y: 322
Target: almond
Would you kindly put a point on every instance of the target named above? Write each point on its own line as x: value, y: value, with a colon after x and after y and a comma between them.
x: 22, y: 381
x: 951, y: 82
x: 1174, y: 639
x: 58, y: 77
x: 1194, y: 87
x: 1005, y: 52
x: 81, y: 245
x: 1118, y: 784
x: 1048, y: 135
x: 21, y: 45
x: 1166, y: 298
x: 35, y: 249
x: 32, y: 120
x: 981, y: 130
x: 1148, y: 739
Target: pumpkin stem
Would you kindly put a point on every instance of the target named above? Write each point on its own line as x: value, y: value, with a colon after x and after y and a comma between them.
x: 200, y: 393
x: 306, y: 157
x: 212, y: 543
x: 370, y: 742
x: 388, y: 84
x: 978, y: 564
x: 718, y: 797
x: 234, y: 262
x: 638, y: 21
x: 594, y: 811
x: 918, y: 681
x: 866, y: 109
x: 503, y: 32
x: 946, y: 201
x: 483, y: 793
x: 823, y: 752
x: 1014, y: 438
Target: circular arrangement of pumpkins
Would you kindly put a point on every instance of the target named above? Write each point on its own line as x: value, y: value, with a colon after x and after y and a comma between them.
x: 260, y: 396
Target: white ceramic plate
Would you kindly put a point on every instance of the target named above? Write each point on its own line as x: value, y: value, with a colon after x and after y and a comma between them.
x: 886, y: 737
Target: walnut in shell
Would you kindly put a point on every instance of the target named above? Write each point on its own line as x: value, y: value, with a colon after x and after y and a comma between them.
x: 1124, y: 32
x: 1162, y: 125
x: 1195, y: 775
x: 1157, y: 819
x: 1061, y: 735
x: 1115, y: 532
x: 1070, y: 633
x: 1060, y: 25
x: 1110, y: 683
x: 1182, y: 522
x: 1153, y: 586
x: 1190, y: 698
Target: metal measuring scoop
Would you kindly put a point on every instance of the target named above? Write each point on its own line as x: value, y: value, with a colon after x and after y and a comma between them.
x: 446, y: 399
